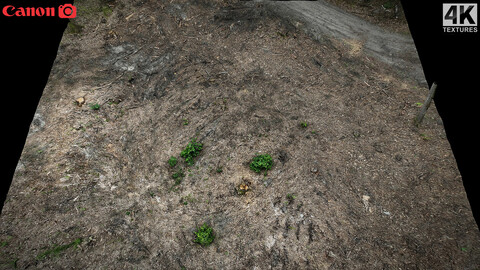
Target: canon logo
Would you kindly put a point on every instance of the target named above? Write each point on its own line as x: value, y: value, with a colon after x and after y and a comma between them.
x: 64, y: 11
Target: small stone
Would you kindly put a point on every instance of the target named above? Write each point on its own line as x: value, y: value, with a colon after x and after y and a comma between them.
x: 331, y: 254
x: 267, y: 182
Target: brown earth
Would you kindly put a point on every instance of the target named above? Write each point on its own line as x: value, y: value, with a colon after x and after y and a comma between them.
x: 93, y: 189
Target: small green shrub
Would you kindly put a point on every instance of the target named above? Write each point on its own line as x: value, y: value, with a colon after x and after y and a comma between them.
x: 304, y: 124
x: 204, y: 235
x: 261, y: 162
x: 191, y: 151
x: 389, y: 5
x: 172, y: 162
x: 290, y: 198
x: 178, y: 175
x: 95, y: 106
x: 187, y: 199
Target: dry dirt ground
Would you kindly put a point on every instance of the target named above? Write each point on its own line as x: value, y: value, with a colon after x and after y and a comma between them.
x: 386, y: 13
x: 93, y: 189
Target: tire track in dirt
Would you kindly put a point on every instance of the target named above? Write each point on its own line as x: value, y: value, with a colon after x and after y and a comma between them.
x: 319, y: 19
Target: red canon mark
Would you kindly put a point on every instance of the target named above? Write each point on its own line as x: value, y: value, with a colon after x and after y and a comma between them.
x: 64, y: 11
x: 67, y: 11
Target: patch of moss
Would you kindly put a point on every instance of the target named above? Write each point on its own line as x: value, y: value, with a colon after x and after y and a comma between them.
x: 107, y: 11
x: 74, y: 28
x: 56, y: 250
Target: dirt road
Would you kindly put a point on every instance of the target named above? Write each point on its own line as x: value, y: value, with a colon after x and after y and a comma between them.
x: 321, y: 19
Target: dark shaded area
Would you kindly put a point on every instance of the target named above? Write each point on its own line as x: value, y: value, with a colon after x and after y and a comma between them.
x: 29, y: 47
x: 448, y: 59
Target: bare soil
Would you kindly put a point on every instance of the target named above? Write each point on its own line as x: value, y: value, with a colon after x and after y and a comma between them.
x: 93, y: 189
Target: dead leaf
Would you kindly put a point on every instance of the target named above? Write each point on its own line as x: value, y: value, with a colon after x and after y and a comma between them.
x: 80, y: 101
